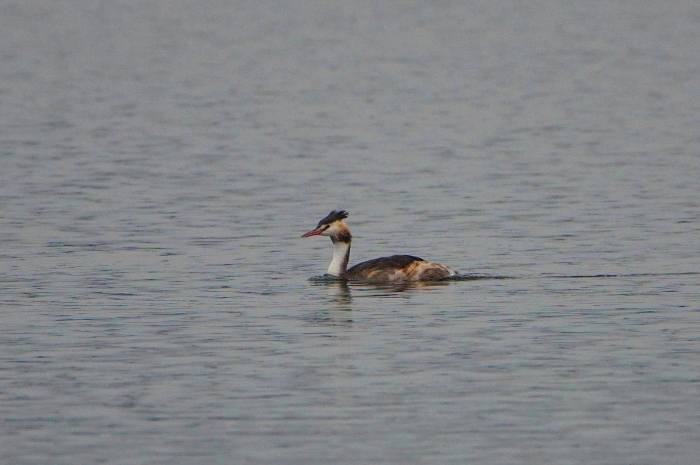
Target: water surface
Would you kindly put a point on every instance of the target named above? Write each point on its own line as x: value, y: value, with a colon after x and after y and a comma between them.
x: 160, y: 161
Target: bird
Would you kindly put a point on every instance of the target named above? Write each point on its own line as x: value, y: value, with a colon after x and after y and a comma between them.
x: 396, y: 268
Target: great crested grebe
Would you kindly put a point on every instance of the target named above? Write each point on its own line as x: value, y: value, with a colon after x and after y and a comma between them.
x: 384, y: 269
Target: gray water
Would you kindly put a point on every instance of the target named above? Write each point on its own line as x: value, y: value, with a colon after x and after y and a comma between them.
x: 160, y: 159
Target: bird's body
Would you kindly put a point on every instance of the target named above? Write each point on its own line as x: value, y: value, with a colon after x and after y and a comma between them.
x: 396, y: 268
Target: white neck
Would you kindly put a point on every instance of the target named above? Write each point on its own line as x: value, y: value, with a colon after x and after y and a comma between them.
x: 339, y: 263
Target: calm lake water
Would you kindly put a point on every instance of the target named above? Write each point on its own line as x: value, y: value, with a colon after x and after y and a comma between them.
x: 160, y: 159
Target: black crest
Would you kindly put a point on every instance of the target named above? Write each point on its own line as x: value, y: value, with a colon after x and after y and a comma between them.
x: 335, y: 215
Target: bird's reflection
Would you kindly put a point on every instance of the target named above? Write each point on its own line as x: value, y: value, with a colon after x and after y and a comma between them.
x: 338, y: 303
x: 340, y: 295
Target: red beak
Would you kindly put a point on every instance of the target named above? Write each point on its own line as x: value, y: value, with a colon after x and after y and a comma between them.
x: 314, y: 232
